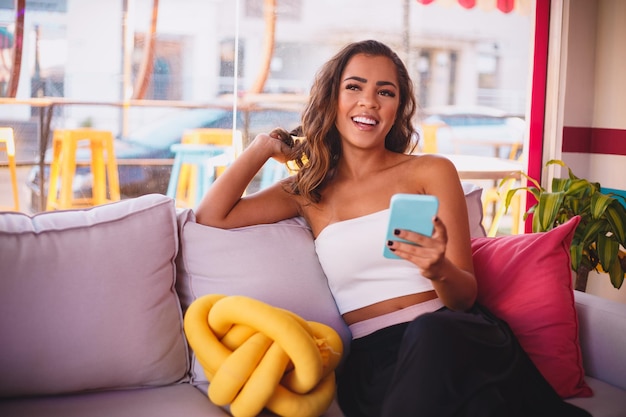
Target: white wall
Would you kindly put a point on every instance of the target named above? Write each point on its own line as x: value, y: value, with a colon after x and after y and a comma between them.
x: 595, y: 96
x: 610, y: 83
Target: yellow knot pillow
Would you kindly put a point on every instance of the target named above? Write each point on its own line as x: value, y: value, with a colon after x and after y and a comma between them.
x: 258, y: 356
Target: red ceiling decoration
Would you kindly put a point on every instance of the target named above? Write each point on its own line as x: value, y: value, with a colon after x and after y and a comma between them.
x: 505, y: 6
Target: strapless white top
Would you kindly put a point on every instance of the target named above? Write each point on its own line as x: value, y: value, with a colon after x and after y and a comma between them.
x: 351, y: 254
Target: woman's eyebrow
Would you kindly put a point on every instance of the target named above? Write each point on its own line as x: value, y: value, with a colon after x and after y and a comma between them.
x: 359, y: 79
x: 364, y: 80
x: 380, y: 83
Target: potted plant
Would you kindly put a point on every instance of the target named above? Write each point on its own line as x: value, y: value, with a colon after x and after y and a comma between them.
x: 600, y: 237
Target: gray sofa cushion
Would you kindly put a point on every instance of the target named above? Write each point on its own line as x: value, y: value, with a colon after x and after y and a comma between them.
x: 607, y: 400
x: 273, y: 263
x: 87, y: 299
x: 170, y: 401
x: 602, y: 330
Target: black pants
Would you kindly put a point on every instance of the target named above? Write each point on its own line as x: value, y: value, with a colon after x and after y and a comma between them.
x: 446, y: 363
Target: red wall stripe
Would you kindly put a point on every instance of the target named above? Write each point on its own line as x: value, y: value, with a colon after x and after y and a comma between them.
x: 576, y: 139
x: 594, y: 140
x: 538, y: 97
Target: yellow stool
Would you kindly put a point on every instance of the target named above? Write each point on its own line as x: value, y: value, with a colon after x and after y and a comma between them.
x: 429, y: 141
x: 7, y: 144
x: 186, y: 179
x: 496, y: 197
x: 63, y: 167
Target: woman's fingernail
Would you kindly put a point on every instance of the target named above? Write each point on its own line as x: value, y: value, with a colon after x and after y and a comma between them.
x: 396, y: 231
x: 389, y: 242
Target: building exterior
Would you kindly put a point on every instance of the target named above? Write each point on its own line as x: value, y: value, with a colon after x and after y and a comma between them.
x: 456, y: 56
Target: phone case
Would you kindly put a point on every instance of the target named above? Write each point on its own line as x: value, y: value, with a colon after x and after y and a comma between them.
x: 413, y: 212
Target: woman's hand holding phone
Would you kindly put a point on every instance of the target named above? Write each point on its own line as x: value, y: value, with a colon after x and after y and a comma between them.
x: 412, y: 212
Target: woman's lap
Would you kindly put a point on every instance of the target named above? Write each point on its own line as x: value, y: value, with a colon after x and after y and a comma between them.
x: 443, y: 364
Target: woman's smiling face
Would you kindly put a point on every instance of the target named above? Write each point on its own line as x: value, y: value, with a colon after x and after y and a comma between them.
x: 368, y: 100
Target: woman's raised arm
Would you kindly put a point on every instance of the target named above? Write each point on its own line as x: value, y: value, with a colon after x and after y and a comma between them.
x: 223, y: 205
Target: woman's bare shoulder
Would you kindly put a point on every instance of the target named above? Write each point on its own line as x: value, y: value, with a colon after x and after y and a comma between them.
x: 432, y: 163
x: 421, y: 173
x: 430, y: 158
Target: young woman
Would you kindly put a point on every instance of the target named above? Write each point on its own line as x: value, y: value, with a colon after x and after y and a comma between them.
x: 421, y: 345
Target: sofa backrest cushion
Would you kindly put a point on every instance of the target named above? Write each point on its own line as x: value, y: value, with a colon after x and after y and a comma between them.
x: 473, y: 200
x: 602, y: 327
x: 87, y: 299
x: 273, y: 263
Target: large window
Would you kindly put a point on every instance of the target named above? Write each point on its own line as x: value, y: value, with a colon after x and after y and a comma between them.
x: 470, y: 66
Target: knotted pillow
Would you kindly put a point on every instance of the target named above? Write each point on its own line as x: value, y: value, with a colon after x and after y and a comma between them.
x: 259, y: 356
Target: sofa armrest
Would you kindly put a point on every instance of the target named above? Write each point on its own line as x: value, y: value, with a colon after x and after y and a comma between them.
x: 602, y: 333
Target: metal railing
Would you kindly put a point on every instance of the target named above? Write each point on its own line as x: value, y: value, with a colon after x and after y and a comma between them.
x: 45, y: 108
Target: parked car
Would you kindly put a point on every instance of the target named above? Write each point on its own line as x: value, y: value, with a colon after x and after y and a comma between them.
x: 153, y: 141
x: 474, y: 130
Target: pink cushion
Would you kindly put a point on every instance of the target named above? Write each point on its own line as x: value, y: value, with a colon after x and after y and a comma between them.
x: 527, y: 281
x: 87, y: 299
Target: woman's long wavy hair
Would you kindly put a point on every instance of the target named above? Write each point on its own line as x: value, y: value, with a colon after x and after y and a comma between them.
x: 320, y: 151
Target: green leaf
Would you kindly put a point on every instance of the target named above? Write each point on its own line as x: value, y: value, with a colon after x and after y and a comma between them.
x: 576, y: 253
x: 616, y: 274
x: 592, y: 231
x: 556, y: 162
x: 530, y: 211
x: 580, y: 188
x: 522, y: 174
x: 607, y: 251
x: 559, y: 184
x: 537, y: 223
x: 536, y: 192
x: 528, y: 178
x: 619, y: 197
x: 575, y: 205
x: 509, y: 195
x: 616, y: 216
x: 599, y: 203
x: 563, y: 164
x: 547, y: 210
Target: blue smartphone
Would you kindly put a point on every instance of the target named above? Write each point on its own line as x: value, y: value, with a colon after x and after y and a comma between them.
x: 412, y: 212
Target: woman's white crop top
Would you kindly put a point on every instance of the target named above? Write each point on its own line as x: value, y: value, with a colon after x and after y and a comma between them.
x: 351, y: 254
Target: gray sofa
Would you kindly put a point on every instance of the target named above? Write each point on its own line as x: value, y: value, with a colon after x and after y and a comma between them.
x: 92, y: 304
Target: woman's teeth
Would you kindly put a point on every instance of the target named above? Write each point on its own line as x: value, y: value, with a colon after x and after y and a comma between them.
x: 364, y: 120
